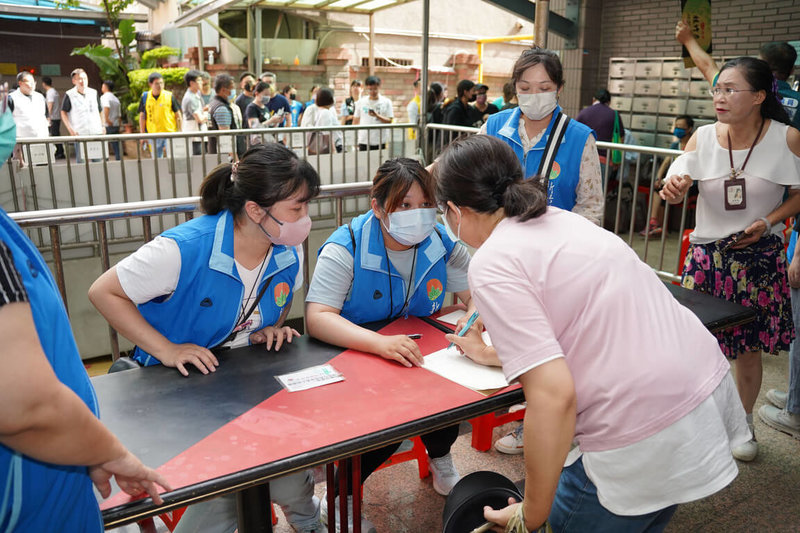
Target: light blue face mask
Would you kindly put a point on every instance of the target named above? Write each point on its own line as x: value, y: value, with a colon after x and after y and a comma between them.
x: 8, y: 135
x: 455, y: 237
x: 411, y: 226
x: 232, y: 97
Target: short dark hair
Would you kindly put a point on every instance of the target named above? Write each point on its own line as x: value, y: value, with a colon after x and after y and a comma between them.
x: 355, y: 83
x: 245, y: 74
x: 780, y: 57
x: 535, y: 56
x: 481, y: 87
x: 372, y: 80
x: 509, y: 91
x: 416, y: 83
x: 109, y: 84
x: 464, y: 86
x: 602, y: 96
x: 483, y: 173
x: 324, y: 96
x: 286, y: 89
x: 689, y: 120
x: 222, y: 81
x: 260, y: 87
x: 395, y: 177
x: 191, y: 76
x: 47, y: 80
x: 153, y: 77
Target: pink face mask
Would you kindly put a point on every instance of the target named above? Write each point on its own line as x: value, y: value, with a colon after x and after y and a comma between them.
x: 292, y: 233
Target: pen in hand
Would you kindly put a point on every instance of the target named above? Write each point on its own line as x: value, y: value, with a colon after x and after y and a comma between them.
x: 466, y: 327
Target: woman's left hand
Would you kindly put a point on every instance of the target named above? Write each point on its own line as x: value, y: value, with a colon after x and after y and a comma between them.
x: 271, y: 333
x: 752, y: 234
x: 500, y: 516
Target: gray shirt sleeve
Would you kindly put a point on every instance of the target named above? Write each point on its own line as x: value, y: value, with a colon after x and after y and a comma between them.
x: 457, y: 268
x: 333, y: 277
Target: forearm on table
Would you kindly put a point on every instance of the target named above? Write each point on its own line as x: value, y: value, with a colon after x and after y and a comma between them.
x: 331, y: 327
x: 549, y: 428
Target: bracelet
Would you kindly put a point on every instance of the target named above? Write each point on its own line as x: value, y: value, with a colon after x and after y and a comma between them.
x: 517, y: 523
x: 766, y: 222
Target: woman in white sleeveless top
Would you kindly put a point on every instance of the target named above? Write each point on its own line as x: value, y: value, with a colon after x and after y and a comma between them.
x: 747, y: 166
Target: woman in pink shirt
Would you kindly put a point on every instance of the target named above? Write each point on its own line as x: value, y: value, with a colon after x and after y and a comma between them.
x: 606, y: 357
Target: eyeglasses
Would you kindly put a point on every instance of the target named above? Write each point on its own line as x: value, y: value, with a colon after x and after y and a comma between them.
x: 728, y: 91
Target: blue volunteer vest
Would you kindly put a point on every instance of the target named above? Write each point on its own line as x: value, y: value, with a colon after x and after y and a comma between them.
x: 207, y: 302
x: 564, y: 177
x: 369, y: 298
x: 44, y: 496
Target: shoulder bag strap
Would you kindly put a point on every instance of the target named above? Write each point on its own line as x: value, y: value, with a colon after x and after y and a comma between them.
x: 553, y: 143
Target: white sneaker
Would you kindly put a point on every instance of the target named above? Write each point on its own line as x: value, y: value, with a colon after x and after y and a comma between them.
x: 366, y: 525
x: 780, y: 419
x: 746, y: 451
x: 318, y: 527
x: 777, y: 398
x: 445, y: 475
x: 511, y: 444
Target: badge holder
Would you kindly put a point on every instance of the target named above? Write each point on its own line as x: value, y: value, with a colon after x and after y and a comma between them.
x: 735, y: 194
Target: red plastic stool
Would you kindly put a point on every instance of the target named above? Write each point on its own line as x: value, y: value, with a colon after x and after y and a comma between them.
x: 417, y: 452
x: 483, y: 427
x: 684, y: 251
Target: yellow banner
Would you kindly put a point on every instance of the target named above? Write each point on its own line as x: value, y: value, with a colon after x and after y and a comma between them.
x: 697, y: 14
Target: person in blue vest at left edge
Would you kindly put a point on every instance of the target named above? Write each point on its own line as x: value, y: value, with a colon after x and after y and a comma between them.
x: 222, y: 280
x: 389, y: 262
x: 574, y: 182
x: 52, y: 445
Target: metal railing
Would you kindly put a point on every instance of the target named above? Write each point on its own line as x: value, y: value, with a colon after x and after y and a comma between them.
x: 100, y: 217
x: 628, y: 194
x: 55, y: 184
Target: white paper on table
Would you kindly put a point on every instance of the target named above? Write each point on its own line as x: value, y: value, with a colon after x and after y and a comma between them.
x: 450, y: 364
x: 452, y: 318
x: 308, y: 378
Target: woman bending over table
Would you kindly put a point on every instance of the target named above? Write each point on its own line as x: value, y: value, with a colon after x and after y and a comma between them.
x: 589, y: 332
x: 391, y: 261
x: 222, y: 280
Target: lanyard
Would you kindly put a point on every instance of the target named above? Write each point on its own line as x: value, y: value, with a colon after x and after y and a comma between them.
x: 410, y: 281
x: 735, y: 172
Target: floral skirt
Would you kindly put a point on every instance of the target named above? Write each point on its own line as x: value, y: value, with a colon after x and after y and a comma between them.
x: 755, y: 277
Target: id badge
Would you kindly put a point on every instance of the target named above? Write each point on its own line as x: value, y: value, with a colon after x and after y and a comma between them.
x: 735, y: 194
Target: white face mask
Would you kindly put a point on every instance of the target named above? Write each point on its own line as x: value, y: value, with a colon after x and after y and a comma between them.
x: 412, y: 226
x: 538, y: 105
x: 455, y: 237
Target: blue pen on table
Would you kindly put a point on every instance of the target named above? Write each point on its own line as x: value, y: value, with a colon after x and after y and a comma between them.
x: 466, y: 327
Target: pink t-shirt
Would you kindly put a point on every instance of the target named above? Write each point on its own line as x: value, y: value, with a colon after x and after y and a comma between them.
x: 557, y: 285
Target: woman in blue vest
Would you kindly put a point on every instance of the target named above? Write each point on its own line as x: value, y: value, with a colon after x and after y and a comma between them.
x: 392, y: 261
x: 538, y: 126
x: 222, y: 280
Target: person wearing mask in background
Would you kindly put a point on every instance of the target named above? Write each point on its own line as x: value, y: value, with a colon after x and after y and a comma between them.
x: 192, y: 107
x: 221, y: 115
x: 80, y: 110
x: 780, y: 56
x: 247, y: 83
x: 257, y: 115
x: 481, y: 105
x: 109, y: 103
x: 413, y: 110
x: 53, y: 447
x: 747, y: 165
x: 458, y: 112
x: 509, y: 96
x: 322, y: 115
x: 601, y: 118
x: 159, y: 112
x: 242, y: 254
x: 373, y: 108
x: 682, y: 130
x: 206, y: 90
x: 29, y: 110
x: 349, y: 105
x: 270, y: 78
x: 54, y: 113
x: 290, y: 93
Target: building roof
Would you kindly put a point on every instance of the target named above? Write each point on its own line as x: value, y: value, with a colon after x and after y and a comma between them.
x: 48, y: 11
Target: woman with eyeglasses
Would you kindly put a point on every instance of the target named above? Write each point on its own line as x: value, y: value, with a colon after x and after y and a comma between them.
x: 546, y: 141
x: 390, y: 262
x: 222, y: 280
x: 747, y: 166
x: 606, y: 357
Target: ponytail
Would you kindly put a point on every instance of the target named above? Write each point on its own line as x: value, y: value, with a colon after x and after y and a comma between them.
x: 483, y: 173
x: 216, y: 191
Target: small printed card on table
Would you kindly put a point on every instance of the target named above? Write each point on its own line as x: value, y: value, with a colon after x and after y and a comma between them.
x: 308, y: 378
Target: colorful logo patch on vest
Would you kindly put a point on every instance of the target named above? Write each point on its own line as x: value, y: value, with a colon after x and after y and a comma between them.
x: 555, y: 171
x: 434, y: 288
x: 282, y: 292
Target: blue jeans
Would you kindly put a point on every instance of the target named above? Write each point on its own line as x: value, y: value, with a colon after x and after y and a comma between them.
x: 114, y: 145
x: 161, y: 147
x: 577, y: 509
x: 793, y: 401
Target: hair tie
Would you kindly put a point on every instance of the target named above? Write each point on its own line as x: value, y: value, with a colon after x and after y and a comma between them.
x: 500, y: 189
x: 234, y: 171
